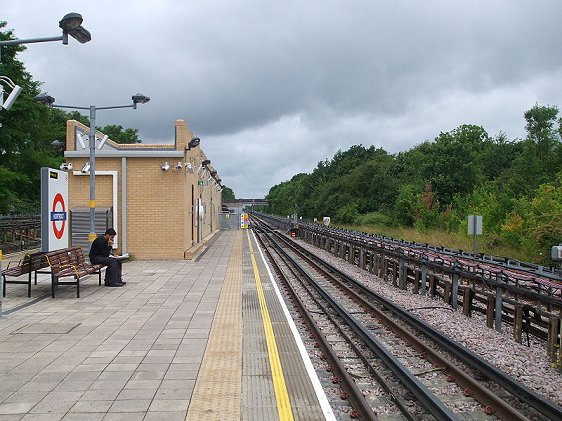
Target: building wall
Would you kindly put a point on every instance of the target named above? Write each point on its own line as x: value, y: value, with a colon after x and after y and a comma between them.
x: 157, y: 211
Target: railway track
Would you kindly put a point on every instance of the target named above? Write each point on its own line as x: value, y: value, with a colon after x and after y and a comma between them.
x: 509, y: 294
x: 387, y: 361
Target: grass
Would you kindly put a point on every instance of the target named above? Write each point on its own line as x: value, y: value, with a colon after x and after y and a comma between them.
x: 446, y: 239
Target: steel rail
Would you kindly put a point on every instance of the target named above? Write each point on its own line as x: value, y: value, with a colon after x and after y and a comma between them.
x: 525, y: 394
x: 492, y: 403
x: 503, y: 262
x: 431, y: 402
x: 356, y: 398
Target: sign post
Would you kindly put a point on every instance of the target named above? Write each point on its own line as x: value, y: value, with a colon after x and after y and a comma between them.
x: 475, y: 229
x: 54, y: 209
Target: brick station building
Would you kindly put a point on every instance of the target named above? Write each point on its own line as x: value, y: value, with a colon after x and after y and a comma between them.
x: 157, y: 213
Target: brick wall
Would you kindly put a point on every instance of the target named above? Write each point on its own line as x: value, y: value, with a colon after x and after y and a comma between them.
x: 158, y: 209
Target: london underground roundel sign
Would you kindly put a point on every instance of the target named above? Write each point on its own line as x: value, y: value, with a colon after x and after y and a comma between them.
x: 58, y: 216
x: 55, y: 209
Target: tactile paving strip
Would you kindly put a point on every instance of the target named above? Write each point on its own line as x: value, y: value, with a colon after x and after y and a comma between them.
x: 258, y: 391
x: 218, y: 388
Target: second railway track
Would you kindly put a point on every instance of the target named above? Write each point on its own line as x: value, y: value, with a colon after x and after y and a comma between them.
x: 390, y: 363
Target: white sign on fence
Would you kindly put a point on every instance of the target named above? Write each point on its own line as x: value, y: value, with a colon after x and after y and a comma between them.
x: 474, y: 224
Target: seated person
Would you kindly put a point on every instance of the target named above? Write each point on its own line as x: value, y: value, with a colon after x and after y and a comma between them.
x: 100, y: 252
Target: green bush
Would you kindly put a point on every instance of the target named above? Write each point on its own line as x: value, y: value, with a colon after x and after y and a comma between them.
x: 347, y: 214
x: 374, y: 219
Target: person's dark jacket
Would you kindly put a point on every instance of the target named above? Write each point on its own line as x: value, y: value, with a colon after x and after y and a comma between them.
x: 99, y: 248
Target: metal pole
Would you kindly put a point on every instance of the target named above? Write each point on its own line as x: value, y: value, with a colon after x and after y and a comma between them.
x: 475, y: 246
x: 92, y: 143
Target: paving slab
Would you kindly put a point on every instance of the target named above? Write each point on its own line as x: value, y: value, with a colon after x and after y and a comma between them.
x: 130, y: 353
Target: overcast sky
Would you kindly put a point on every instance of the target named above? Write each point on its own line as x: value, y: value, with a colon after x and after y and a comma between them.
x: 274, y: 87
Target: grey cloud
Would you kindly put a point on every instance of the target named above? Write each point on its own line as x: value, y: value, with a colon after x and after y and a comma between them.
x: 274, y: 87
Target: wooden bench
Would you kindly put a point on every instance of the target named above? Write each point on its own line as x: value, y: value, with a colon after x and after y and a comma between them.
x: 31, y: 262
x: 70, y: 262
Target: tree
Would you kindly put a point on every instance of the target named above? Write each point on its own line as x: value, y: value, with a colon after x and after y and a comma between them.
x: 450, y: 163
x: 26, y: 133
x: 536, y: 224
x: 540, y: 125
x: 117, y: 134
x: 227, y: 194
x: 541, y: 153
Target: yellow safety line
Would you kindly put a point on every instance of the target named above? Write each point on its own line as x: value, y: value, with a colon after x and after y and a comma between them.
x: 281, y: 395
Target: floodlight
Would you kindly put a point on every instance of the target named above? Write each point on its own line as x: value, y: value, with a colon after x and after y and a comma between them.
x: 11, y: 98
x: 103, y: 140
x: 70, y: 21
x: 45, y: 99
x: 57, y: 145
x: 80, y: 138
x: 165, y: 166
x: 193, y: 143
x: 139, y: 99
x: 81, y: 35
x: 86, y: 168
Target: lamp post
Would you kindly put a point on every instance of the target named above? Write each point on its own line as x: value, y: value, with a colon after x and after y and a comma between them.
x: 71, y: 24
x: 57, y: 145
x: 49, y: 101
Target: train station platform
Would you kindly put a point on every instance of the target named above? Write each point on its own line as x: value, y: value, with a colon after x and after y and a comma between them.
x: 207, y: 338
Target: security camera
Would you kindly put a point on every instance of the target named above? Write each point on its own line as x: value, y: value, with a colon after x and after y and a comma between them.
x: 85, y: 168
x: 188, y: 167
x: 11, y: 98
x: 179, y: 166
x: 66, y: 166
x: 165, y: 166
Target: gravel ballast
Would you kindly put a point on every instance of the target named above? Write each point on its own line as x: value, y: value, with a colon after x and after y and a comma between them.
x: 528, y: 364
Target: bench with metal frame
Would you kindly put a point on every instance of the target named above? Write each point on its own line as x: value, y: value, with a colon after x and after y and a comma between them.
x: 31, y: 262
x: 70, y: 262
